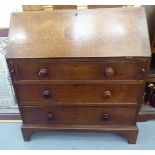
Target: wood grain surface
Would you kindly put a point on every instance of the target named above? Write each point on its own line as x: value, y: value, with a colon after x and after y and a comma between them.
x: 79, y: 70
x: 109, y: 32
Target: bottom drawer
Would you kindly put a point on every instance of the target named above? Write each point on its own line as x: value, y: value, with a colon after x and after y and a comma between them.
x: 84, y: 115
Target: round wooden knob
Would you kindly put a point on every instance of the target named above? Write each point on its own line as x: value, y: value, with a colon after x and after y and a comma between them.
x: 43, y: 72
x: 49, y: 116
x: 109, y: 72
x: 105, y: 117
x: 46, y: 94
x: 107, y: 94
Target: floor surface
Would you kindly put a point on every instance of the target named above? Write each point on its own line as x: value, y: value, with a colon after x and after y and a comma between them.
x: 11, y: 138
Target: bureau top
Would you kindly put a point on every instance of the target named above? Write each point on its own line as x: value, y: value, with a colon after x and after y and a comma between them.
x: 110, y: 32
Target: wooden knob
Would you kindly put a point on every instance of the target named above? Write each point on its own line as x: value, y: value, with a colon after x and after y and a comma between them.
x: 46, y: 94
x: 43, y: 73
x: 107, y: 94
x: 105, y: 117
x: 109, y: 72
x: 49, y: 116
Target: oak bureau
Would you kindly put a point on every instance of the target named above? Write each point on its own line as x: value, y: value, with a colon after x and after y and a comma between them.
x: 79, y: 70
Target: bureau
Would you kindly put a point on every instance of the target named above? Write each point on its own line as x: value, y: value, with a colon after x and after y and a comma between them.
x: 79, y: 70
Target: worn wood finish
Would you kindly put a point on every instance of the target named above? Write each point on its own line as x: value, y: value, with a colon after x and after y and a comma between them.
x: 87, y: 70
x: 71, y: 93
x: 79, y: 70
x: 129, y: 132
x: 79, y: 33
x: 53, y: 115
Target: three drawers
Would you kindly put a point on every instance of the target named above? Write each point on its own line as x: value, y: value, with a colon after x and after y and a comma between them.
x: 45, y: 88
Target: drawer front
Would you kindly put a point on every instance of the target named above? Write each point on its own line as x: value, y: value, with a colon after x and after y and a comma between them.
x: 79, y: 115
x: 116, y: 70
x: 30, y: 94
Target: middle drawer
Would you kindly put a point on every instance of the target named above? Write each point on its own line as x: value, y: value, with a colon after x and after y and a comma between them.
x: 30, y: 94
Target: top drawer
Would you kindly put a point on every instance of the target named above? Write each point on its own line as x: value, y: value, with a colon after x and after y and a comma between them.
x: 110, y: 70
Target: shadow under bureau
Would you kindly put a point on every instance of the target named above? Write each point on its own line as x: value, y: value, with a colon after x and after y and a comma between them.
x: 79, y: 70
